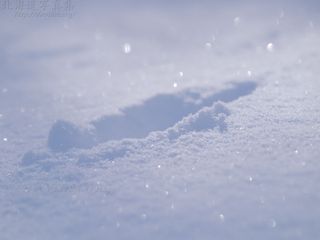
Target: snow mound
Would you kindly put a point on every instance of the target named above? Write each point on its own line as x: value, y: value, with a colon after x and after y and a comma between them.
x: 65, y: 135
x: 208, y: 118
x: 205, y: 119
x: 33, y: 157
x: 161, y: 119
x: 158, y: 113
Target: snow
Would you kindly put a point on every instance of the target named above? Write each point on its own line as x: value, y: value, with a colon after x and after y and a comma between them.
x: 166, y: 120
x: 158, y: 113
x: 270, y: 47
x: 127, y: 48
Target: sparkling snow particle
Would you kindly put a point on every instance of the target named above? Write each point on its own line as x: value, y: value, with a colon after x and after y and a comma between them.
x: 5, y: 139
x: 208, y: 45
x: 249, y: 73
x: 126, y: 48
x: 159, y: 166
x: 180, y: 74
x: 109, y: 74
x: 236, y: 21
x: 175, y: 85
x: 296, y: 151
x: 270, y: 47
x: 222, y: 218
x: 273, y: 223
x: 147, y: 186
x: 250, y: 179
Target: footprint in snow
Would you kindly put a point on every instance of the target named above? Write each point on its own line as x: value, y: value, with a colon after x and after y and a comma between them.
x: 177, y: 113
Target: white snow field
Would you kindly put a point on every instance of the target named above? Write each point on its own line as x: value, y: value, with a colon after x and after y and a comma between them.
x: 160, y: 120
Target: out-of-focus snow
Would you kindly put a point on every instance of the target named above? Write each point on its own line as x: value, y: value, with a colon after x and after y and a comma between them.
x: 162, y: 120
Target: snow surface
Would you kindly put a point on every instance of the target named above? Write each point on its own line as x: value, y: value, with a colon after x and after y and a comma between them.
x: 161, y: 120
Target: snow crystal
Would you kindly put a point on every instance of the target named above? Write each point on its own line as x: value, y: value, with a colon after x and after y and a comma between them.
x: 236, y: 21
x: 222, y: 217
x: 270, y: 47
x: 172, y: 206
x: 273, y: 223
x: 208, y: 45
x: 126, y: 48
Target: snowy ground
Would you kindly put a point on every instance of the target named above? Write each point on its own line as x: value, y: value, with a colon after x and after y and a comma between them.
x: 171, y: 120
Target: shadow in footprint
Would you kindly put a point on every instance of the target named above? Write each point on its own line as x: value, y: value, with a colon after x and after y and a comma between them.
x: 155, y: 114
